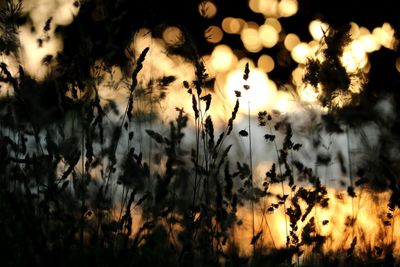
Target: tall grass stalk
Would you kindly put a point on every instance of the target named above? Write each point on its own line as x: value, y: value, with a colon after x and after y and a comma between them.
x: 282, y: 184
x: 251, y: 174
x: 350, y: 173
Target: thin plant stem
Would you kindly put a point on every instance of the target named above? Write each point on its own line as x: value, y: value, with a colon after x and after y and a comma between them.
x: 251, y: 173
x: 350, y: 170
x: 283, y: 189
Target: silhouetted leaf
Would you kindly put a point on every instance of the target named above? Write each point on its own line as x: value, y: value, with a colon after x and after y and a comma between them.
x: 243, y: 133
x: 156, y: 136
x: 256, y: 237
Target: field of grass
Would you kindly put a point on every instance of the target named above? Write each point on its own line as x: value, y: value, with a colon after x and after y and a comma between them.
x: 76, y: 190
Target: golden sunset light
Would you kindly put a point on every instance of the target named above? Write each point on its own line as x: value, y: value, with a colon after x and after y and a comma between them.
x: 216, y: 133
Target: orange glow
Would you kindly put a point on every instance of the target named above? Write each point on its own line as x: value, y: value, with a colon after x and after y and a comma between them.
x: 288, y: 8
x: 317, y: 29
x: 398, y: 64
x: 284, y: 102
x: 268, y: 35
x: 254, y: 6
x: 213, y: 34
x: 207, y: 9
x: 222, y: 58
x: 297, y: 75
x: 370, y: 43
x: 251, y: 39
x: 32, y: 55
x: 269, y: 8
x: 274, y: 23
x: 308, y: 94
x: 232, y: 25
x: 301, y: 52
x: 354, y: 30
x: 291, y: 40
x: 173, y: 35
x: 206, y: 59
x: 384, y: 35
x: 369, y: 210
x: 265, y: 63
x: 354, y: 56
x: 260, y: 95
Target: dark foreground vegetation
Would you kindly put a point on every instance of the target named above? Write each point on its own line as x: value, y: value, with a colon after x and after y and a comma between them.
x: 67, y: 198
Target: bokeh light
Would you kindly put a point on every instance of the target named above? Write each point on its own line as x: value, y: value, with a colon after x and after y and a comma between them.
x: 269, y: 36
x: 308, y: 94
x: 222, y: 58
x: 232, y: 25
x: 384, y: 35
x: 207, y: 9
x: 291, y: 40
x: 288, y: 8
x: 269, y: 8
x: 266, y: 63
x: 261, y: 94
x: 213, y: 34
x: 274, y: 23
x: 172, y: 35
x: 317, y: 29
x: 301, y: 52
x: 251, y: 40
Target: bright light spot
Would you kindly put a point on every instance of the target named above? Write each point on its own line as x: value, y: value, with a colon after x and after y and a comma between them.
x: 222, y: 58
x: 268, y: 35
x: 39, y: 47
x: 354, y: 30
x: 226, y: 24
x: 232, y: 25
x: 291, y: 40
x: 398, y: 64
x: 213, y: 34
x: 62, y: 12
x: 301, y: 52
x: 297, y: 76
x: 158, y: 62
x: 370, y: 43
x: 65, y: 13
x: 237, y: 25
x: 317, y: 29
x: 288, y: 8
x: 33, y: 56
x: 269, y: 8
x: 173, y: 35
x: 254, y: 6
x: 142, y: 39
x: 206, y: 59
x: 363, y: 31
x: 251, y: 40
x: 265, y: 63
x: 314, y: 46
x: 354, y: 56
x: 308, y: 94
x: 207, y: 9
x: 384, y: 35
x: 284, y: 102
x: 274, y: 23
x: 261, y: 94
